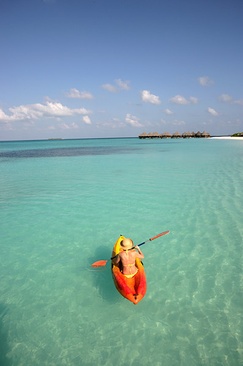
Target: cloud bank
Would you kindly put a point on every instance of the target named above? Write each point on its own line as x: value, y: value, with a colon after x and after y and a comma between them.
x: 38, y: 111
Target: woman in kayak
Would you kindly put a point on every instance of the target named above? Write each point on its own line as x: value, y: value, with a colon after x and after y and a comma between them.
x: 128, y: 256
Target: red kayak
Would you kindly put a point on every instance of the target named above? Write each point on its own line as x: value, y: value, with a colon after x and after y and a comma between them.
x: 133, y: 289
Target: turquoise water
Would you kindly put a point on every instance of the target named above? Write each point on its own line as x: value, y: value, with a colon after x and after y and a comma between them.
x: 64, y: 204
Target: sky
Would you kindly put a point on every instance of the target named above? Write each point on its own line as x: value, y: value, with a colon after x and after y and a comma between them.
x: 118, y: 68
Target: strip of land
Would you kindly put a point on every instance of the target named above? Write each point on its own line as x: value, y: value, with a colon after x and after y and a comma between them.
x: 228, y: 137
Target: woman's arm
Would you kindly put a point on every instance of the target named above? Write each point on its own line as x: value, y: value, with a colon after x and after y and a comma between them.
x: 117, y: 259
x: 139, y: 253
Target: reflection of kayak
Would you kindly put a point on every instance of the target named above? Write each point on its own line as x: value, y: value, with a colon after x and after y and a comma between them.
x: 133, y: 289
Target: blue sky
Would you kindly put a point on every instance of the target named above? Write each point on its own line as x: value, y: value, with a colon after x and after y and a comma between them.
x: 102, y: 68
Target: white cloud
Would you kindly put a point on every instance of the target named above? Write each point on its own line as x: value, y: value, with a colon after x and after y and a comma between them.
x: 163, y: 122
x: 120, y: 85
x: 212, y: 111
x: 75, y: 93
x: 132, y: 120
x: 147, y: 97
x: 38, y: 110
x: 178, y: 99
x: 205, y: 81
x: 110, y: 88
x: 3, y: 116
x: 239, y: 101
x: 71, y: 126
x: 225, y: 98
x: 124, y: 85
x: 87, y: 120
x: 178, y: 123
x: 228, y: 99
x: 168, y: 111
x: 193, y: 100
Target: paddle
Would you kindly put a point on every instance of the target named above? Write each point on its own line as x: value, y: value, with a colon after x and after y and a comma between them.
x: 102, y: 262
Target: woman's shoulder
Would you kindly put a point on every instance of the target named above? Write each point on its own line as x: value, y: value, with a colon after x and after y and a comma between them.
x: 125, y: 254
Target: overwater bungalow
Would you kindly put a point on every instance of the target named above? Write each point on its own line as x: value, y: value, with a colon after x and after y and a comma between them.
x: 176, y: 135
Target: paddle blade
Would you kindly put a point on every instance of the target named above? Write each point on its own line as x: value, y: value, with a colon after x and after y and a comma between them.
x: 155, y: 237
x: 101, y: 263
x: 161, y: 234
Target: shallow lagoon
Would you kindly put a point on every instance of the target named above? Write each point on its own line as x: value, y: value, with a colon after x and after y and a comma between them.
x: 63, y: 205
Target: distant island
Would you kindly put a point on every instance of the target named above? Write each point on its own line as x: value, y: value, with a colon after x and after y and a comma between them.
x: 55, y: 138
x: 237, y: 134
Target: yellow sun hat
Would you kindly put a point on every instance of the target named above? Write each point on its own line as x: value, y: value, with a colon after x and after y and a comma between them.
x: 127, y: 243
